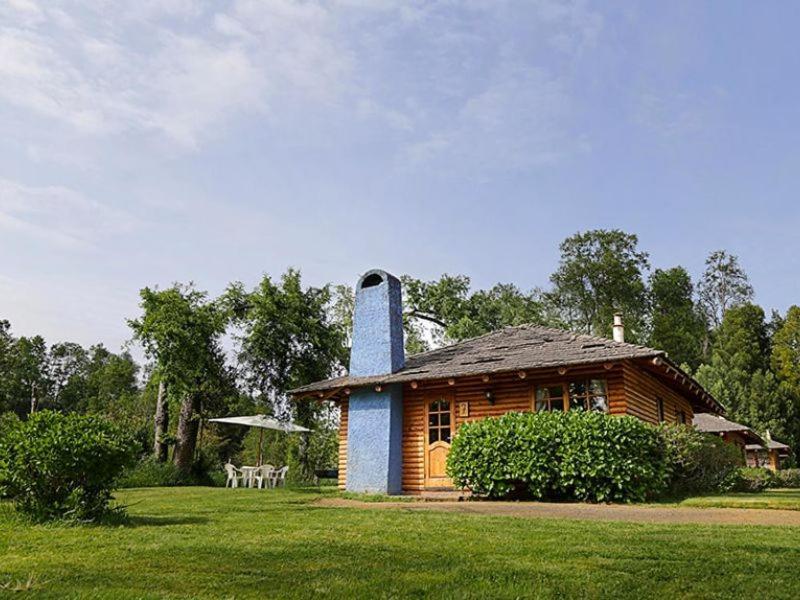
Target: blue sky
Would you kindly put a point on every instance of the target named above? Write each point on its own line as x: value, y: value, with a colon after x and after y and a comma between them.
x: 215, y: 141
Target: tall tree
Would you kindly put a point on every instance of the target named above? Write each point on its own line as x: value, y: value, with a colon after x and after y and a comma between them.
x: 181, y: 330
x: 6, y: 349
x: 785, y: 362
x: 677, y: 323
x: 68, y: 369
x: 724, y: 284
x: 460, y: 314
x: 29, y: 384
x: 740, y: 377
x: 786, y: 348
x: 287, y: 338
x: 601, y: 272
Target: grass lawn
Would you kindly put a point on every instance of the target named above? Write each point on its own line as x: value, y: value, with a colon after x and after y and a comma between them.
x: 211, y: 543
x: 782, y: 499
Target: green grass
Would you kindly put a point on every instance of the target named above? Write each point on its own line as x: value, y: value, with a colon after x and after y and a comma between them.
x: 776, y: 499
x: 211, y: 543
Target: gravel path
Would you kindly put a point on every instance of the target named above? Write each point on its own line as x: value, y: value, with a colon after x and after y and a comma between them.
x: 590, y: 512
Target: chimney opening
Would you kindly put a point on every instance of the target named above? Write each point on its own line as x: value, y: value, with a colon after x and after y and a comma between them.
x: 371, y: 281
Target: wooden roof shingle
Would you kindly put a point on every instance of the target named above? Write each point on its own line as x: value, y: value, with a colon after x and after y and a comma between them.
x: 509, y: 349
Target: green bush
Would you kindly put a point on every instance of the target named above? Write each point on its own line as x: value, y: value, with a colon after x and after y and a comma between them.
x: 64, y: 465
x: 8, y: 421
x: 699, y: 463
x: 575, y: 455
x: 149, y: 472
x: 753, y: 480
x: 786, y: 478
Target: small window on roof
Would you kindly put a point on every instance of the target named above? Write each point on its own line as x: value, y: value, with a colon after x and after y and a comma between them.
x: 371, y: 281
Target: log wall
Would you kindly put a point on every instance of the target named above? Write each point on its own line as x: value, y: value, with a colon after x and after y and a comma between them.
x: 631, y: 390
x: 642, y: 392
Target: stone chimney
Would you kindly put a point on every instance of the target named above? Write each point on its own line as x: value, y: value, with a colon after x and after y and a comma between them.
x: 619, y: 328
x: 375, y: 412
x: 377, y: 326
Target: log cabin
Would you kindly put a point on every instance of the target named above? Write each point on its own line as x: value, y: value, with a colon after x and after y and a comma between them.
x: 770, y: 453
x: 399, y: 415
x: 731, y: 432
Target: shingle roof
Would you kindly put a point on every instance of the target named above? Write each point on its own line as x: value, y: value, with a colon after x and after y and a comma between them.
x: 505, y: 350
x: 710, y: 423
x: 771, y: 445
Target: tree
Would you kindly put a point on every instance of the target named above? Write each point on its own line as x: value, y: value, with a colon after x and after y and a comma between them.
x: 740, y: 377
x: 68, y: 369
x: 677, y: 323
x: 600, y: 273
x: 786, y: 349
x: 181, y: 330
x: 28, y: 385
x: 460, y: 314
x: 6, y: 349
x: 785, y: 363
x: 724, y: 285
x: 287, y: 339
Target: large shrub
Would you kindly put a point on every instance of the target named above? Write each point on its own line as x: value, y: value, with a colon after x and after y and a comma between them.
x: 64, y: 465
x: 752, y: 480
x: 786, y: 478
x: 575, y: 455
x: 699, y: 463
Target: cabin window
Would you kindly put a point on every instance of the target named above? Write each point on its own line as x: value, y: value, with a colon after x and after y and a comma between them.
x: 588, y: 394
x: 660, y: 409
x: 682, y: 418
x: 439, y: 428
x: 550, y: 397
x: 583, y: 394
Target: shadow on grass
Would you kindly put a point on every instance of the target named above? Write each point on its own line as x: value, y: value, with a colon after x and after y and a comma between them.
x: 154, y: 521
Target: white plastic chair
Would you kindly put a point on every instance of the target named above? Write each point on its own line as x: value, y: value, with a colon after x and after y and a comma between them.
x: 262, y: 475
x: 279, y: 477
x: 234, y: 475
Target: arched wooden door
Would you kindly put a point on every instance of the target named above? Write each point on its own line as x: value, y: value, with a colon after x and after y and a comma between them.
x: 439, y: 427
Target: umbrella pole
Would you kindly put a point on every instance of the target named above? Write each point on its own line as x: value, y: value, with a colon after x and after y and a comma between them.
x: 260, y: 446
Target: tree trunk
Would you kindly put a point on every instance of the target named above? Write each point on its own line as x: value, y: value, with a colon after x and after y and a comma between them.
x: 160, y: 445
x: 34, y: 399
x: 186, y: 437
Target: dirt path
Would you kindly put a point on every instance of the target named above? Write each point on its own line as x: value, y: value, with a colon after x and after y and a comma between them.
x: 590, y: 512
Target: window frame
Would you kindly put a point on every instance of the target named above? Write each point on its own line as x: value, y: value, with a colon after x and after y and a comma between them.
x: 566, y: 397
x: 661, y: 413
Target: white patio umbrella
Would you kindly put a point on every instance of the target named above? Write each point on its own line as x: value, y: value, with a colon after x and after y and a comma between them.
x: 262, y: 422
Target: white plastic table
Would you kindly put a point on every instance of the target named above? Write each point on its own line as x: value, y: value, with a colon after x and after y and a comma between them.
x: 247, y: 475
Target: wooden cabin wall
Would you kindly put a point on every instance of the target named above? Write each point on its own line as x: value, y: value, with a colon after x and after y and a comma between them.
x: 510, y: 394
x: 631, y: 390
x: 642, y: 391
x: 343, y: 406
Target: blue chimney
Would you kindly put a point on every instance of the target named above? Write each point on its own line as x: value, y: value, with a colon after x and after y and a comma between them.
x: 375, y: 418
x: 377, y: 326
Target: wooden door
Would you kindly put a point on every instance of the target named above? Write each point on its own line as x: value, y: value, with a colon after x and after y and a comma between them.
x: 439, y: 427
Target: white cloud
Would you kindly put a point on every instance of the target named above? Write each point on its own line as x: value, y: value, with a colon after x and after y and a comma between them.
x: 424, y: 72
x: 520, y: 119
x: 677, y: 114
x: 59, y: 215
x: 143, y: 72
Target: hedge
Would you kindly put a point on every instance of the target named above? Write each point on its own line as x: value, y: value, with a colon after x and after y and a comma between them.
x: 56, y: 466
x: 576, y: 455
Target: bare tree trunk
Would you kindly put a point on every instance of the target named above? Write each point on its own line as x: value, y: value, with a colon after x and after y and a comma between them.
x: 160, y: 445
x: 188, y: 426
x: 34, y: 399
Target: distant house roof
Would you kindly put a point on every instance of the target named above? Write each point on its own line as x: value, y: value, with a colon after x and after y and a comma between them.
x: 711, y: 423
x: 770, y: 445
x: 507, y: 350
